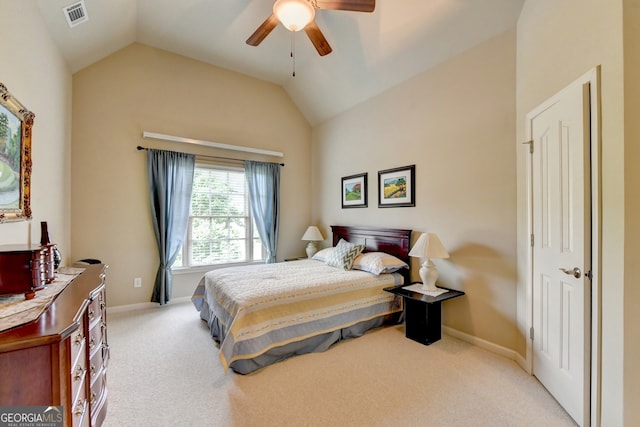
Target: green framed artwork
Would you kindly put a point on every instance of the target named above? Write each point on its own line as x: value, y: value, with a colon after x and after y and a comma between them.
x: 354, y: 191
x: 397, y: 187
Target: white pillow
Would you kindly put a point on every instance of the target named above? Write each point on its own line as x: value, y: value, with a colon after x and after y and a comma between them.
x: 322, y: 254
x: 344, y: 254
x: 378, y: 262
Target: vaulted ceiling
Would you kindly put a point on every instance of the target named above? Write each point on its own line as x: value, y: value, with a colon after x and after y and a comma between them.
x: 371, y: 51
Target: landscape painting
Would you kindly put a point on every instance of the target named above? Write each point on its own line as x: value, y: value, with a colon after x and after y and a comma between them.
x: 16, y: 123
x: 354, y: 191
x: 396, y: 187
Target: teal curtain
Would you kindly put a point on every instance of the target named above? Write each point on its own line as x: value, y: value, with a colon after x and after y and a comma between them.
x: 263, y: 180
x: 170, y: 186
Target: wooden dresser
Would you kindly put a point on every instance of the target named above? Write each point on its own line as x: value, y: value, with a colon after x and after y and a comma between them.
x: 61, y: 358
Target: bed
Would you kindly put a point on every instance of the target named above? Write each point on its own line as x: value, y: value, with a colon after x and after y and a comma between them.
x: 261, y: 314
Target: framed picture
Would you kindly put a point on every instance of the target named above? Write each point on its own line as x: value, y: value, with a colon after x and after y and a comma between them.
x: 397, y: 187
x: 15, y: 158
x: 354, y: 191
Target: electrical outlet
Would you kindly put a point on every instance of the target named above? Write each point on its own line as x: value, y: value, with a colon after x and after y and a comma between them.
x: 137, y: 282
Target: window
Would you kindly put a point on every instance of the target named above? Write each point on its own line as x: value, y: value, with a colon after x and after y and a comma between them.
x: 221, y: 229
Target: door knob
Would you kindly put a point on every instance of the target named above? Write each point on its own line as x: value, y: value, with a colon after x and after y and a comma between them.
x: 575, y: 272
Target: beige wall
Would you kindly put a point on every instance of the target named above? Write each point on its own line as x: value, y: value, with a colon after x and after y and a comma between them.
x: 34, y: 73
x: 144, y: 89
x: 558, y: 41
x: 456, y: 123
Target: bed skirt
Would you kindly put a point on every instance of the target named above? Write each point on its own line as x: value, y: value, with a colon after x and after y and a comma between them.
x: 314, y: 344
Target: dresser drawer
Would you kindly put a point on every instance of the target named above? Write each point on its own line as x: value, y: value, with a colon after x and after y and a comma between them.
x: 94, y: 312
x: 95, y: 340
x: 96, y: 365
x: 98, y: 402
x: 80, y: 413
x: 98, y: 389
x: 78, y: 342
x: 78, y: 379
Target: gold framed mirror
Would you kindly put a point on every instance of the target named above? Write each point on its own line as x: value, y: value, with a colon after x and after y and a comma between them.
x: 16, y: 123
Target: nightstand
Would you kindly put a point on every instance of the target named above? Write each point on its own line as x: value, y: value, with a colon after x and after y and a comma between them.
x: 423, y: 313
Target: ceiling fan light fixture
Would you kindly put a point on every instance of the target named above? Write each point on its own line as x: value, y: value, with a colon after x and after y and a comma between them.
x: 294, y: 14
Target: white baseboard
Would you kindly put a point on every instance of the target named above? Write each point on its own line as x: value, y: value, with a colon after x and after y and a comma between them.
x: 144, y: 305
x: 522, y: 361
x: 487, y: 345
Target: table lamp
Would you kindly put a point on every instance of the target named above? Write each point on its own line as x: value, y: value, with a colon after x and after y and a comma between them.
x: 428, y: 246
x: 312, y: 235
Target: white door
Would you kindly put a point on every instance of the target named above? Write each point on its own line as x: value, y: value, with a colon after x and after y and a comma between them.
x: 561, y: 249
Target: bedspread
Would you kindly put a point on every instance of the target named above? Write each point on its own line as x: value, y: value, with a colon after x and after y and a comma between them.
x: 266, y: 306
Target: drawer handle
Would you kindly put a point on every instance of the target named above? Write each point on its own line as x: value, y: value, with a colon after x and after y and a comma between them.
x: 102, y: 305
x: 78, y: 339
x: 79, y: 408
x: 91, y: 314
x: 77, y: 376
x: 93, y: 371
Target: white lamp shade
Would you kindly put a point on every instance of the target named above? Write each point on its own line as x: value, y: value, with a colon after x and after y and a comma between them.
x: 294, y: 14
x: 312, y: 234
x: 428, y: 245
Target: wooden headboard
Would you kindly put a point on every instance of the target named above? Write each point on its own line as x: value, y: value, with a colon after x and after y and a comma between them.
x: 392, y: 241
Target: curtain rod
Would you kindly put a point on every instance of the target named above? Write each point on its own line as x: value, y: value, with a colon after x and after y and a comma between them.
x: 139, y: 147
x: 172, y: 138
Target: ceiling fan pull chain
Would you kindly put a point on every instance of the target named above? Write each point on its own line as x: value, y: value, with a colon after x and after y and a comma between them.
x: 293, y: 52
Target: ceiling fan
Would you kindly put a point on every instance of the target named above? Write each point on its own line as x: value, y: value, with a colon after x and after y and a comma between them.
x: 296, y: 15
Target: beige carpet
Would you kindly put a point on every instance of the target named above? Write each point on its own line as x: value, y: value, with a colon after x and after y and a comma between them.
x: 164, y: 371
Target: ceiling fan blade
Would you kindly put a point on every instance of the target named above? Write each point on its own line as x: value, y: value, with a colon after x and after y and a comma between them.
x: 317, y: 38
x: 263, y: 31
x: 354, y: 5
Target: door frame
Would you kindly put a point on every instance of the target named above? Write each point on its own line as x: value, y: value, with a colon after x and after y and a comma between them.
x: 592, y: 77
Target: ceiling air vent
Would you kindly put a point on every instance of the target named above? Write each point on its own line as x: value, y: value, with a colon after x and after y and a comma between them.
x: 75, y: 13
